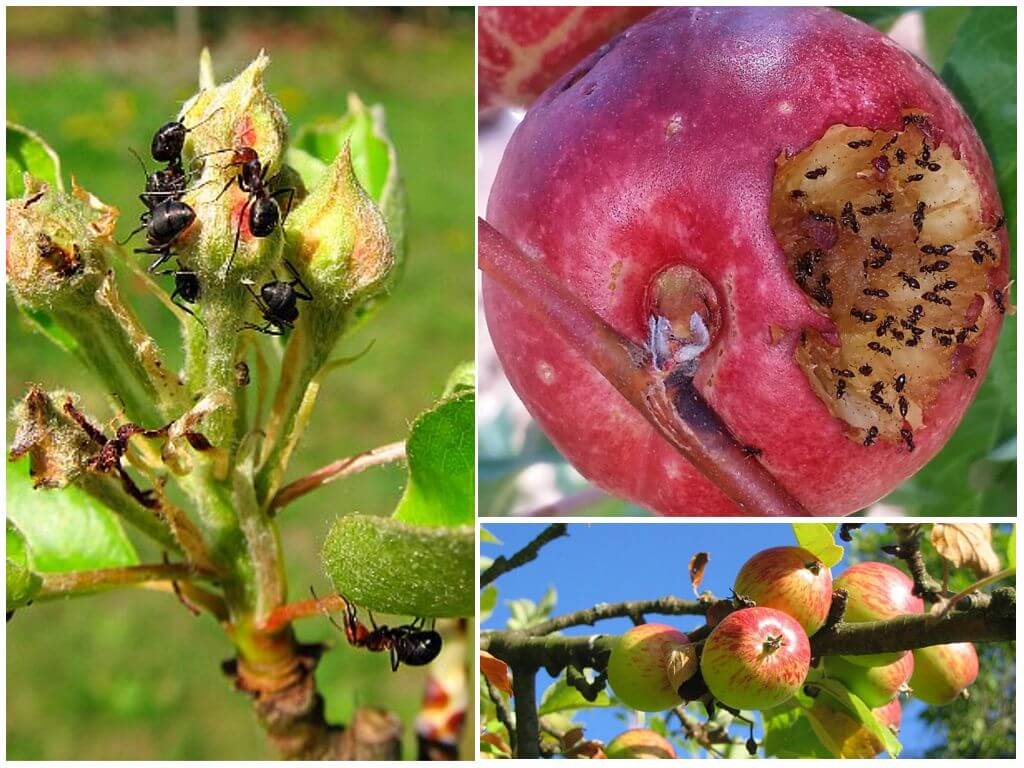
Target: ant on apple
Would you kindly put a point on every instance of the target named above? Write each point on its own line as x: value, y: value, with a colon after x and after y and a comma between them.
x: 411, y: 644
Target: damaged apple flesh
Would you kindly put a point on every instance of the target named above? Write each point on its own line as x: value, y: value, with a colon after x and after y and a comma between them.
x: 675, y: 146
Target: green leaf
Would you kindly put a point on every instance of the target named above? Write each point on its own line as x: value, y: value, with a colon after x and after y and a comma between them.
x: 940, y: 27
x: 28, y: 153
x: 22, y: 582
x: 487, y: 537
x: 524, y: 613
x: 389, y: 566
x: 562, y: 697
x: 441, y: 459
x: 488, y: 601
x: 1011, y: 548
x: 65, y: 530
x: 788, y: 733
x: 819, y: 540
x: 861, y: 713
x: 462, y: 378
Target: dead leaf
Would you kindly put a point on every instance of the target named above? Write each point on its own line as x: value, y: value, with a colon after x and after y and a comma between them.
x: 496, y: 672
x: 570, y: 738
x: 592, y: 750
x: 697, y: 565
x: 682, y: 665
x: 496, y: 741
x: 966, y: 545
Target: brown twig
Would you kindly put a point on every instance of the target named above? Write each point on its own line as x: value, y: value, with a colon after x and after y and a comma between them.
x: 671, y: 404
x: 667, y: 606
x: 503, y: 564
x: 375, y: 457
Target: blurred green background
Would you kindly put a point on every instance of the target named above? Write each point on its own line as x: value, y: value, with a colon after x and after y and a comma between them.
x: 133, y: 675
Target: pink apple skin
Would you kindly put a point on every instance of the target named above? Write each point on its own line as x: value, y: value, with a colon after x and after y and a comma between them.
x: 890, y: 715
x: 875, y: 686
x: 741, y: 666
x: 791, y: 580
x: 640, y: 744
x: 522, y: 50
x: 876, y: 592
x: 637, y: 668
x: 663, y: 153
x: 942, y: 672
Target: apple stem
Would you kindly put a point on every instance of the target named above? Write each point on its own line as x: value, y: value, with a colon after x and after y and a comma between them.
x: 671, y: 403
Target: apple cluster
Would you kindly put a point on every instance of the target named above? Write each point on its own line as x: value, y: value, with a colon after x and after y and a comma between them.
x: 759, y: 656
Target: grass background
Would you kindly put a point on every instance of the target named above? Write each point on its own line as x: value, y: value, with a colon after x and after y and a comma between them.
x: 132, y: 675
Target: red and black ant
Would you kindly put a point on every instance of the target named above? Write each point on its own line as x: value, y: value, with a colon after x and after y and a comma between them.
x: 277, y: 302
x: 264, y: 212
x: 411, y: 644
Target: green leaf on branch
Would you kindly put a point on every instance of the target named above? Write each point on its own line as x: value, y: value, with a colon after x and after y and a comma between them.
x: 1011, y: 548
x: 819, y: 540
x: 788, y: 733
x: 389, y: 566
x: 486, y: 537
x: 22, y: 582
x: 65, y: 530
x: 488, y: 601
x: 562, y: 697
x: 441, y: 459
x: 860, y: 712
x: 28, y: 153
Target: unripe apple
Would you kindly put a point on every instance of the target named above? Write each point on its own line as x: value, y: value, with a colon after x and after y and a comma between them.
x: 791, y: 580
x: 943, y: 672
x: 522, y: 50
x: 877, y: 591
x: 875, y: 686
x: 755, y: 658
x: 638, y: 667
x: 751, y: 168
x: 848, y: 737
x: 640, y: 744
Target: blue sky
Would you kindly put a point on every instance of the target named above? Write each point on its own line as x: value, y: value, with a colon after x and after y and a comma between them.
x: 611, y: 562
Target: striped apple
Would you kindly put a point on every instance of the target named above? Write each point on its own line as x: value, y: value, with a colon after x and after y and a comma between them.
x: 640, y: 744
x: 877, y: 591
x: 755, y: 658
x: 791, y: 580
x: 942, y: 672
x: 875, y: 686
x: 638, y: 667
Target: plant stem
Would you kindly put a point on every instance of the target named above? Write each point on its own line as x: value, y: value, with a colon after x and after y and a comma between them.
x: 503, y: 565
x: 671, y: 404
x: 351, y: 465
x: 70, y: 582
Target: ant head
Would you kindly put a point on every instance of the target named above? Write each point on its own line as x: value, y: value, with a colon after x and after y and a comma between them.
x: 168, y: 142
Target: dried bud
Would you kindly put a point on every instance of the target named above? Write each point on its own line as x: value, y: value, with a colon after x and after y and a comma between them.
x: 58, y: 449
x: 56, y: 246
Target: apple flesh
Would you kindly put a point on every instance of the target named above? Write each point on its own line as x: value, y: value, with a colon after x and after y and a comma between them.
x: 789, y: 579
x: 876, y: 592
x: 522, y: 50
x: 676, y: 173
x: 638, y: 667
x: 640, y: 744
x: 755, y: 658
x: 943, y: 672
x: 875, y: 686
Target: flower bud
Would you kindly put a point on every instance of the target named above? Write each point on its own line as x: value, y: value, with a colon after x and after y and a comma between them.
x: 58, y: 449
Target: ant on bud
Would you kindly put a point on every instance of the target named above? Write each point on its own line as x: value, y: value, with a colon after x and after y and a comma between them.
x: 277, y: 302
x: 411, y: 644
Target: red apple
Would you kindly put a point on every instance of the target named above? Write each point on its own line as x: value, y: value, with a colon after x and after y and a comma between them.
x: 875, y: 686
x: 745, y: 172
x: 942, y: 672
x: 755, y: 658
x: 789, y: 579
x: 640, y: 744
x: 638, y: 667
x: 522, y: 50
x: 876, y: 592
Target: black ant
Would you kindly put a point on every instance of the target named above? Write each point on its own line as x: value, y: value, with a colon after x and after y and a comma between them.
x: 277, y: 302
x: 169, y: 141
x: 186, y: 287
x: 264, y: 212
x: 411, y: 644
x: 163, y: 224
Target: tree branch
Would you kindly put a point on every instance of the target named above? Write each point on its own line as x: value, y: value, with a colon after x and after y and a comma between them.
x: 375, y: 457
x: 909, y: 551
x: 668, y: 606
x: 503, y: 713
x: 671, y: 404
x: 524, y: 692
x: 528, y: 553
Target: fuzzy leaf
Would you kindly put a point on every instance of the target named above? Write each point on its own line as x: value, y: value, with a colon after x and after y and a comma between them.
x: 819, y: 540
x: 441, y: 460
x: 65, y: 530
x: 28, y: 153
x: 562, y: 697
x: 22, y: 581
x: 389, y: 566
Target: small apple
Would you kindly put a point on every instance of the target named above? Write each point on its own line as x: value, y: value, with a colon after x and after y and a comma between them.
x: 875, y: 686
x: 843, y: 735
x: 877, y: 591
x: 755, y: 658
x: 789, y: 579
x: 638, y: 667
x: 640, y: 744
x: 943, y: 672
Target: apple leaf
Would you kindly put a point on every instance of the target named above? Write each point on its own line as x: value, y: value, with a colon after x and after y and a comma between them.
x: 562, y: 697
x: 28, y: 153
x: 486, y: 537
x: 1011, y: 548
x: 940, y: 27
x: 22, y: 582
x: 788, y: 733
x: 862, y: 714
x: 819, y: 540
x: 65, y: 530
x: 488, y: 601
x: 496, y: 672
